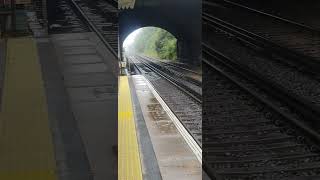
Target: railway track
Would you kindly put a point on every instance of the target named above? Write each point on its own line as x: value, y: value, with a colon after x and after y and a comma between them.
x: 185, y: 73
x: 289, y: 83
x: 187, y: 85
x: 261, y: 108
x: 249, y: 134
x: 301, y: 12
x: 182, y: 102
x: 66, y: 20
x: 102, y: 18
x: 298, y: 42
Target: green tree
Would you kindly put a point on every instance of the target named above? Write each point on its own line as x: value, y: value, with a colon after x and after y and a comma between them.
x: 155, y: 42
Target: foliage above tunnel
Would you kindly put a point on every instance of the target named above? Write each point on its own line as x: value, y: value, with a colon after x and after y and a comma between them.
x: 154, y: 42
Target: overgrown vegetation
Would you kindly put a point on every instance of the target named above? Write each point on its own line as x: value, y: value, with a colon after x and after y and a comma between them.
x: 155, y: 42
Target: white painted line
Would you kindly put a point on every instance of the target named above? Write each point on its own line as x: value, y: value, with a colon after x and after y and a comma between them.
x: 185, y: 134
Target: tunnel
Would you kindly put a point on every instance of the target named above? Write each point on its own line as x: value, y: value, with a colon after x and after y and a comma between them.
x: 153, y: 42
x: 181, y: 18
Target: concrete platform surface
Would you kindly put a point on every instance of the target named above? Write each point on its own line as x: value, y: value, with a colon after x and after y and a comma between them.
x: 70, y: 154
x: 90, y: 77
x: 175, y: 158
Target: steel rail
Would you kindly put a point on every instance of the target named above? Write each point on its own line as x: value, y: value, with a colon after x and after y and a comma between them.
x: 308, y: 64
x: 195, y: 96
x: 312, y: 112
x: 185, y: 133
x: 309, y: 112
x: 187, y: 78
x: 310, y: 133
x: 234, y: 4
x: 94, y: 28
x: 169, y: 64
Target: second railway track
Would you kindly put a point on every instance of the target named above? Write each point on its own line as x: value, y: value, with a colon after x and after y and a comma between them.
x: 289, y: 38
x: 66, y: 20
x: 248, y: 135
x: 183, y: 70
x: 189, y: 86
x: 298, y: 88
x: 260, y: 102
x: 102, y: 17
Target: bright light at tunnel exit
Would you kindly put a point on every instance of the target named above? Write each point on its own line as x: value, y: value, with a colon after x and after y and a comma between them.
x: 152, y: 42
x: 130, y: 39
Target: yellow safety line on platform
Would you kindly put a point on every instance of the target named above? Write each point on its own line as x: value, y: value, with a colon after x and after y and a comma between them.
x: 129, y: 166
x: 26, y: 148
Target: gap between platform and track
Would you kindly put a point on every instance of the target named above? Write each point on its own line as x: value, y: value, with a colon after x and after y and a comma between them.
x: 196, y: 149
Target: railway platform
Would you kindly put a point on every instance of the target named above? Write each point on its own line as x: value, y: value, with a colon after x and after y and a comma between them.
x: 59, y: 109
x: 26, y: 140
x: 161, y: 136
x: 67, y: 115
